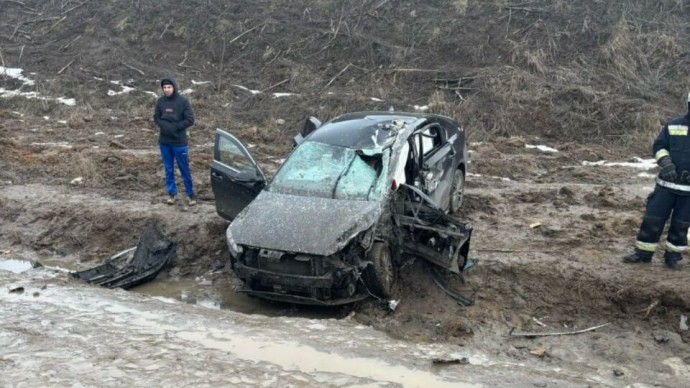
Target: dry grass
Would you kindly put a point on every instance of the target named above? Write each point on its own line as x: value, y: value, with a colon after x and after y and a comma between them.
x: 84, y: 167
x: 584, y: 71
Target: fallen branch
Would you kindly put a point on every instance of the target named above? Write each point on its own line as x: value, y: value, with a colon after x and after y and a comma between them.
x: 183, y: 60
x: 20, y: 3
x: 416, y: 70
x: 73, y: 8
x: 133, y: 68
x: 533, y: 334
x: 649, y: 309
x: 246, y: 32
x: 515, y: 250
x: 70, y: 42
x: 55, y: 24
x: 66, y: 66
x: 274, y: 85
x: 165, y: 29
x: 336, y: 76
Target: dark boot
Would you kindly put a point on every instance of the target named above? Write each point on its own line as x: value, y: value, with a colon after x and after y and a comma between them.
x: 635, y: 258
x: 671, y: 259
x: 672, y: 263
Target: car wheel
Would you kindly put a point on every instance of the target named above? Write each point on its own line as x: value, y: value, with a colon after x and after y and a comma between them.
x: 380, y: 276
x: 457, y: 194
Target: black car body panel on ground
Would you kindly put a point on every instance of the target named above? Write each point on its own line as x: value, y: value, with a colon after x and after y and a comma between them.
x: 134, y: 266
x: 355, y: 195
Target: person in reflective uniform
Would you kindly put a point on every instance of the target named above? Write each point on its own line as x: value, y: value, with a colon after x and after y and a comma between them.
x: 671, y: 196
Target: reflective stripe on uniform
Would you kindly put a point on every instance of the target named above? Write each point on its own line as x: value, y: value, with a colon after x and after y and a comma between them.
x: 678, y: 130
x: 675, y: 248
x: 643, y: 246
x: 671, y: 185
x: 661, y: 153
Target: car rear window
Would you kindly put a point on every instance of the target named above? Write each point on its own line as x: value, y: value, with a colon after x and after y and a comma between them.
x: 323, y: 170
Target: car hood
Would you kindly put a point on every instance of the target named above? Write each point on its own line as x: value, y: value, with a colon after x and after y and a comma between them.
x: 310, y: 225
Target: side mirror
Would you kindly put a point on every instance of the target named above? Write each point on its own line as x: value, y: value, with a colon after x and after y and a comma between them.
x: 310, y: 125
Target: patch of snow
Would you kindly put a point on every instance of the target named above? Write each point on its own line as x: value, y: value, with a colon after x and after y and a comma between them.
x: 422, y: 108
x: 46, y: 118
x: 469, y: 174
x: 62, y: 121
x: 151, y: 93
x: 278, y: 95
x: 62, y: 144
x: 16, y: 93
x: 541, y: 148
x: 375, y: 99
x: 639, y: 163
x: 200, y: 82
x: 246, y: 89
x: 187, y: 91
x: 66, y: 101
x: 15, y: 73
x: 125, y: 89
x: 118, y: 136
x: 646, y: 175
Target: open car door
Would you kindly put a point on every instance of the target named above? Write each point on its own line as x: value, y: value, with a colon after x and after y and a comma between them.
x: 236, y: 179
x: 426, y: 231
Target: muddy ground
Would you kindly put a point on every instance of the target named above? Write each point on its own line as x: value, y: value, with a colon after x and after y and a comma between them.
x: 563, y: 275
x: 590, y: 79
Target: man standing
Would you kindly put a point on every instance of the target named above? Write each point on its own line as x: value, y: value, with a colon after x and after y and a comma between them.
x: 173, y: 115
x: 671, y: 196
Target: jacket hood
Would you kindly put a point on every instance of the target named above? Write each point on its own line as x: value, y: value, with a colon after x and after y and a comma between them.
x: 310, y: 225
x: 170, y: 79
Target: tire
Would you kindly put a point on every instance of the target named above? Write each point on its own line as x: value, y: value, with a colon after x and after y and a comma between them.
x: 457, y: 193
x: 379, y: 277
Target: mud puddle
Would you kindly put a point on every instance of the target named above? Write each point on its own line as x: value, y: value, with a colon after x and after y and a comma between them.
x: 112, y: 337
x: 217, y: 294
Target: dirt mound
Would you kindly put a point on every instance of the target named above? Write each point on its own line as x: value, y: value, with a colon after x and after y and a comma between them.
x: 585, y: 70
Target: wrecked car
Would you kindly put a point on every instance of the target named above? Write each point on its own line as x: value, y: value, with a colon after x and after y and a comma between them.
x: 356, y: 195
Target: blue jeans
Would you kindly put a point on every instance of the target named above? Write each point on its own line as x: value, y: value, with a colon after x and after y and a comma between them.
x: 180, y: 153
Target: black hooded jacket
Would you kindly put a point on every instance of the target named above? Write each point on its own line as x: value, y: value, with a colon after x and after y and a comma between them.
x: 173, y: 115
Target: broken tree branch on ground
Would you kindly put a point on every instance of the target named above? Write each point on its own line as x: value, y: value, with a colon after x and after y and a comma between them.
x: 513, y: 333
x: 133, y: 68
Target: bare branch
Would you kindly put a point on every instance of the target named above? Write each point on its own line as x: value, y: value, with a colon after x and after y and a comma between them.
x: 274, y: 85
x: 20, y: 3
x: 533, y: 334
x: 66, y: 66
x: 70, y: 42
x: 133, y: 68
x: 165, y: 29
x: 336, y: 76
x: 246, y: 32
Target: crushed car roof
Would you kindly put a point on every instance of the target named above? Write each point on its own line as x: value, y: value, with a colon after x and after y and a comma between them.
x: 364, y: 130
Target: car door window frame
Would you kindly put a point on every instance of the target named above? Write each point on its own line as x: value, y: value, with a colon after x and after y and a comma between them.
x: 238, y: 174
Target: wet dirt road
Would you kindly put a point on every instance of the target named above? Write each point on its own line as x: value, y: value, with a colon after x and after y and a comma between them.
x: 54, y: 332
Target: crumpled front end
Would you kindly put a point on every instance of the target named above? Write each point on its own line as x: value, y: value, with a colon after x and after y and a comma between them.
x: 302, y: 278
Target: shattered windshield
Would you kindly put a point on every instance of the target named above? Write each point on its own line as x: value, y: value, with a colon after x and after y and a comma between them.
x: 322, y: 170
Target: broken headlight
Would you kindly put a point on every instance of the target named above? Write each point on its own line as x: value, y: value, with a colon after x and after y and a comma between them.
x: 235, y: 250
